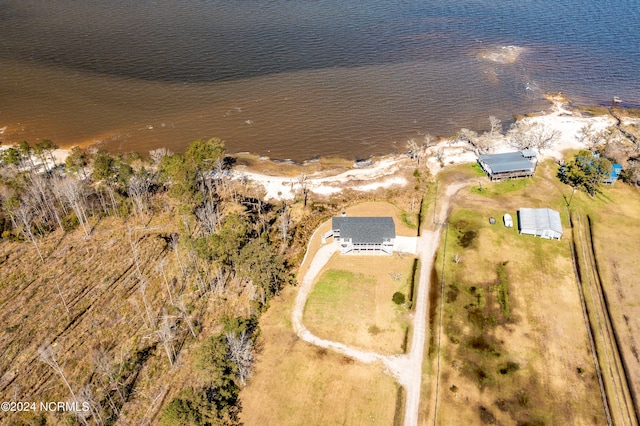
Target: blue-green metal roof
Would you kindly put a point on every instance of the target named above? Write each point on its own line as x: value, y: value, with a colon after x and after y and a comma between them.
x: 507, y: 162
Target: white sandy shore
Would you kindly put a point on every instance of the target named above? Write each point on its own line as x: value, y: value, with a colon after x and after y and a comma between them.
x: 383, y: 173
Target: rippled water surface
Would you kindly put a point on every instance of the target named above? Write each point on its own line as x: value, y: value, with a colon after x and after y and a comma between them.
x: 298, y: 78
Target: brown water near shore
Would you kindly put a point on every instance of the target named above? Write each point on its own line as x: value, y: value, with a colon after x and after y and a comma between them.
x: 352, y: 112
x: 297, y: 79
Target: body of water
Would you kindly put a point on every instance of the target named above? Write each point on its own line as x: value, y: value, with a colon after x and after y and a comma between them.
x: 301, y: 78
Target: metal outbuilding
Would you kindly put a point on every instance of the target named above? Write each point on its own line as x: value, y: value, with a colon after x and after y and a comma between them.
x: 543, y: 223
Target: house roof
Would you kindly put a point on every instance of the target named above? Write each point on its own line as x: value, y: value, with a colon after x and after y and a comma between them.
x: 540, y: 219
x: 365, y: 230
x: 506, y: 162
x: 528, y: 153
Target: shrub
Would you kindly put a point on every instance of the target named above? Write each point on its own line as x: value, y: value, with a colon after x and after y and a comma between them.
x: 398, y: 298
x: 509, y: 367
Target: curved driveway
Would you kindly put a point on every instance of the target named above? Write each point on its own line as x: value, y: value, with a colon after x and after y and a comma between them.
x: 406, y: 368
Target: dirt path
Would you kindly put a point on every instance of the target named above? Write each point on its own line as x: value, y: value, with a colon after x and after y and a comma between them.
x: 407, y: 368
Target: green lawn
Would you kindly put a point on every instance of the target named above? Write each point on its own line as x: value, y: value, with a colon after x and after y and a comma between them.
x: 352, y: 302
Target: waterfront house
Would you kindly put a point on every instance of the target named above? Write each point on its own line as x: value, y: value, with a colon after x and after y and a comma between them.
x: 508, y: 165
x: 363, y: 235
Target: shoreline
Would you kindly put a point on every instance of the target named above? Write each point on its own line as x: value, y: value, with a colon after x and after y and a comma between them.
x: 392, y: 170
x: 283, y: 178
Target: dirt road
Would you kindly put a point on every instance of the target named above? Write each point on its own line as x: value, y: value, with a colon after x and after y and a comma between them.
x: 407, y: 368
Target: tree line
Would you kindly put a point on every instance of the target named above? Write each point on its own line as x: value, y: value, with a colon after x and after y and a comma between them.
x: 228, y: 240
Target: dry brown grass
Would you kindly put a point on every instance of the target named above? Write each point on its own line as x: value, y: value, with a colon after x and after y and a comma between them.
x: 101, y: 288
x: 545, y: 335
x: 352, y: 302
x: 299, y: 384
x: 615, y: 216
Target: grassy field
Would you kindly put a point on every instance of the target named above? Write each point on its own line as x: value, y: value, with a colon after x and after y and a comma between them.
x: 299, y: 384
x: 352, y: 302
x: 514, y: 341
x: 615, y: 216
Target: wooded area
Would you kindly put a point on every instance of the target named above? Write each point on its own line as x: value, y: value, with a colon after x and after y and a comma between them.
x: 141, y: 293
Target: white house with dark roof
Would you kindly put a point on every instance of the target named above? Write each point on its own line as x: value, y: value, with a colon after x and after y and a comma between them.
x: 543, y: 223
x: 363, y: 235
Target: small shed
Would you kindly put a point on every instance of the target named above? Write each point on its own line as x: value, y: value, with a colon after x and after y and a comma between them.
x: 616, y: 169
x: 508, y: 221
x: 543, y: 223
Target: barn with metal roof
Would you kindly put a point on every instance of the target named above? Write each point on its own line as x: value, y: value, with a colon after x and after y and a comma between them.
x: 364, y: 234
x: 543, y: 223
x: 508, y: 164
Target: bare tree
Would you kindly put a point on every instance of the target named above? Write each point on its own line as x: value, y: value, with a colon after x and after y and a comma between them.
x: 496, y: 126
x: 86, y: 397
x: 184, y: 314
x: 39, y: 191
x: 219, y: 282
x: 220, y: 175
x: 103, y: 362
x: 209, y: 217
x: 429, y: 140
x: 64, y: 302
x: 166, y: 332
x: 302, y: 181
x: 175, y: 243
x: 414, y: 150
x: 285, y: 218
x: 544, y: 136
x: 467, y: 134
x: 532, y: 135
x: 160, y: 268
x: 47, y: 355
x: 22, y: 216
x: 157, y: 155
x: 139, y: 189
x: 588, y: 136
x: 73, y: 192
x: 241, y: 354
x: 112, y: 197
x: 142, y: 287
x: 484, y: 142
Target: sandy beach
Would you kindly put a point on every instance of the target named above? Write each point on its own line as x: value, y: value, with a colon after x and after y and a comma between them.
x: 386, y: 172
x: 392, y: 170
